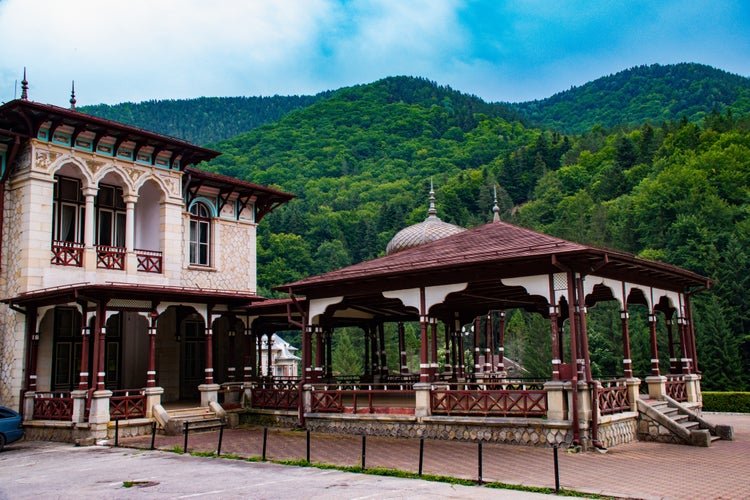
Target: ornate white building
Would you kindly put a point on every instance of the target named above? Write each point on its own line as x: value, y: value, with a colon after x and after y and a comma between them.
x: 122, y: 267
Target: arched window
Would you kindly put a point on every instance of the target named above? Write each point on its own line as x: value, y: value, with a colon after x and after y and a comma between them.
x: 200, y: 235
x: 68, y: 210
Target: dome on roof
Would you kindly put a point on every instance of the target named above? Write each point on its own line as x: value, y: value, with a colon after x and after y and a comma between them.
x: 431, y: 229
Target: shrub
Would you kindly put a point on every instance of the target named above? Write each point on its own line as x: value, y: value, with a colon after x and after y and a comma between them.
x: 730, y: 402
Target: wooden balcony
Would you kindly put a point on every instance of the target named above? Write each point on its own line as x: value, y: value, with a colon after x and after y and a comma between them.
x: 67, y: 253
x: 108, y: 257
x: 149, y: 261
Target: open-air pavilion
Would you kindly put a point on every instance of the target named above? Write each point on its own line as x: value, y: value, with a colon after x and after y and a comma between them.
x: 464, y: 282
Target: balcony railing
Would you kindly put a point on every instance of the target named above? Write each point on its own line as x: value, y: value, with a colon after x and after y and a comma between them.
x: 67, y: 253
x: 362, y: 398
x: 676, y: 387
x: 149, y: 261
x: 108, y: 257
x: 613, y: 397
x: 476, y: 399
x: 53, y: 406
x: 127, y: 403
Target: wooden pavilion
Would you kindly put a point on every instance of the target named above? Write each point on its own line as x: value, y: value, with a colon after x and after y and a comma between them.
x: 458, y: 280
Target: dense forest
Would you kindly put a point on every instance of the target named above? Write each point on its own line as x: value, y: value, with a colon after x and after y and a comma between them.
x: 202, y: 120
x: 632, y: 97
x: 664, y: 182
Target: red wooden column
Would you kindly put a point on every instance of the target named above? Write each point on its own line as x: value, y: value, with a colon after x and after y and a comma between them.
x: 684, y: 347
x: 83, y: 381
x: 555, y: 343
x: 368, y: 358
x: 424, y: 362
x: 433, y: 345
x: 381, y: 341
x: 404, y: 367
x: 258, y: 371
x: 488, y: 344
x: 151, y: 373
x: 673, y: 364
x: 654, y: 349
x: 501, y: 344
x: 209, y: 370
x: 627, y: 362
x: 477, y: 346
x: 318, y: 331
x: 99, y: 342
x: 248, y: 355
x: 306, y: 353
x: 269, y: 354
x: 231, y: 369
x: 32, y: 334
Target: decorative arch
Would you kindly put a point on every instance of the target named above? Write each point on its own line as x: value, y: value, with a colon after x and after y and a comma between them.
x: 66, y: 164
x: 204, y: 201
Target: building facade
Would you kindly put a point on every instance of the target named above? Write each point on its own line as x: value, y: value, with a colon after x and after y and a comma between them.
x: 124, y: 269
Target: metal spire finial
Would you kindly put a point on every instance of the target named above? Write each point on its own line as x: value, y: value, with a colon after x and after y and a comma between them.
x: 432, y: 211
x: 73, y: 96
x: 24, y: 87
x: 495, y: 209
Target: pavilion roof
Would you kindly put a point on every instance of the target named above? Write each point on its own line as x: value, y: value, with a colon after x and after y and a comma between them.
x: 493, y: 251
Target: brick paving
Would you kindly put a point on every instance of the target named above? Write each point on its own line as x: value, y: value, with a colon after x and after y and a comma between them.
x: 636, y: 470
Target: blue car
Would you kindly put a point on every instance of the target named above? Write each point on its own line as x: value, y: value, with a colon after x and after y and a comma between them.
x: 11, y: 428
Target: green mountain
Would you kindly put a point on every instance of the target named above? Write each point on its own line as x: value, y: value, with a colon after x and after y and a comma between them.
x: 653, y: 93
x: 361, y: 162
x: 672, y: 186
x: 203, y: 120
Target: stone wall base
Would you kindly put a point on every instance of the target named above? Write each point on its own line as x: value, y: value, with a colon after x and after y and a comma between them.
x: 620, y: 429
x: 272, y: 418
x: 524, y: 432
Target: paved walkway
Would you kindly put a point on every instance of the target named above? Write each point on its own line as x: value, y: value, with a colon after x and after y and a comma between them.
x: 637, y: 470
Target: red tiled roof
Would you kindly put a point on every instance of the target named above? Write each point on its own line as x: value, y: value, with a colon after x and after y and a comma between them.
x: 497, y: 245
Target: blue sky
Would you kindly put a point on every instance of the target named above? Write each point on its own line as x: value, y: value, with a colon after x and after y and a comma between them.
x: 138, y: 50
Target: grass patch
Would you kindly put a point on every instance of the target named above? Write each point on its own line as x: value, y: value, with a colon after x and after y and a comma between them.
x: 381, y: 471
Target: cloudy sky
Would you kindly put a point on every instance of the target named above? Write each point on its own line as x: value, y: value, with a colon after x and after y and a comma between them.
x: 136, y: 50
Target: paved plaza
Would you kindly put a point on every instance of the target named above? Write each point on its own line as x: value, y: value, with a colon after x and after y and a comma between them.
x: 637, y: 470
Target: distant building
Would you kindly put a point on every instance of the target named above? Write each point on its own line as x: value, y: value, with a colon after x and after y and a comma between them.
x: 284, y: 361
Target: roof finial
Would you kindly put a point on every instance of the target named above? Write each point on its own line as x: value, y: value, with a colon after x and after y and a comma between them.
x: 24, y: 86
x: 495, y: 209
x: 73, y: 96
x: 432, y: 211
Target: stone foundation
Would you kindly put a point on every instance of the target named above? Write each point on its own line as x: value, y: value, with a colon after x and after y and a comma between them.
x: 618, y: 429
x: 526, y: 432
x: 272, y: 418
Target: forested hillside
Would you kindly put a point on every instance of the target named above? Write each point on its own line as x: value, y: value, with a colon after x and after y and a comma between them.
x: 202, y: 120
x: 361, y: 161
x: 632, y: 97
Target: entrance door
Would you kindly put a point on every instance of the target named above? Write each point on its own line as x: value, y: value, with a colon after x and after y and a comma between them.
x: 193, y: 358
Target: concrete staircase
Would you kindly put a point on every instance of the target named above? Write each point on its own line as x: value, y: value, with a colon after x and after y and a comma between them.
x: 669, y: 421
x: 172, y: 421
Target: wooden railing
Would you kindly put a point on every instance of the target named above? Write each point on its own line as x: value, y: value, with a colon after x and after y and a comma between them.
x: 280, y: 393
x: 347, y: 397
x: 612, y: 397
x: 502, y: 400
x: 108, y: 257
x: 53, y: 406
x: 272, y: 398
x: 127, y: 403
x: 676, y: 387
x: 67, y: 253
x: 149, y: 261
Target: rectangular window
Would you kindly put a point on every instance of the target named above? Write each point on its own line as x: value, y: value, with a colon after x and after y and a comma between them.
x: 199, y: 242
